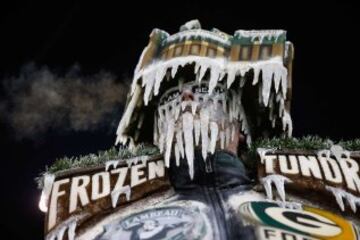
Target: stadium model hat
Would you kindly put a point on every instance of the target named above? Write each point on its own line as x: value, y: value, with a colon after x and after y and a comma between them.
x: 199, y: 87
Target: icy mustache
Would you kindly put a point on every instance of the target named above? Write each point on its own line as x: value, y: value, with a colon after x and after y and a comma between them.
x: 180, y: 125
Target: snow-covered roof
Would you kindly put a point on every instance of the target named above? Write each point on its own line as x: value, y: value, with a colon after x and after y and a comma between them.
x: 261, y: 36
x: 199, y: 34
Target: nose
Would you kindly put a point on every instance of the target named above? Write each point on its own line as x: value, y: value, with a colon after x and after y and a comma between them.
x: 187, y: 95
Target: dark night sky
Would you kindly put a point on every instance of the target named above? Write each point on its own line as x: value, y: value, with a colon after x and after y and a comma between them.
x: 104, y: 36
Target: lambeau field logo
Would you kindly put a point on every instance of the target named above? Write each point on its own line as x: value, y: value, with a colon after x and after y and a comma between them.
x: 174, y: 223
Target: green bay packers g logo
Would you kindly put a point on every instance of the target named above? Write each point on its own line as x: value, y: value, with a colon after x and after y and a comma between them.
x: 308, y: 221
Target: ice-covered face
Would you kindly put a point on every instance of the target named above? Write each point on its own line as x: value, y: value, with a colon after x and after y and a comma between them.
x: 188, y: 117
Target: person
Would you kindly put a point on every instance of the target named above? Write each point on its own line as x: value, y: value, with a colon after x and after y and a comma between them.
x: 206, y: 105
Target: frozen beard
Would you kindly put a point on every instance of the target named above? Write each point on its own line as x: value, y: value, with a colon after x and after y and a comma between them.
x: 188, y: 117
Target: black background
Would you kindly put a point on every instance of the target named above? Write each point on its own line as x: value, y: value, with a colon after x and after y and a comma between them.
x: 111, y: 36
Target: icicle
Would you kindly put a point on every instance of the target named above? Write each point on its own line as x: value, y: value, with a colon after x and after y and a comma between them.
x: 194, y: 105
x: 162, y: 130
x: 235, y: 111
x: 287, y: 123
x: 172, y: 106
x: 280, y: 186
x: 168, y: 75
x: 197, y: 131
x: 136, y: 160
x: 131, y: 145
x: 130, y: 162
x: 234, y: 108
x: 339, y: 194
x: 256, y: 76
x: 197, y: 68
x: 156, y: 133
x: 71, y: 230
x: 242, y: 81
x: 271, y: 100
x: 45, y: 194
x: 167, y: 113
x: 203, y: 70
x: 180, y: 143
x: 204, y: 125
x: 284, y: 81
x: 159, y: 130
x: 338, y: 152
x: 262, y: 153
x: 177, y: 154
x: 220, y: 66
x: 68, y: 225
x: 144, y: 159
x: 224, y: 104
x: 231, y: 77
x: 148, y: 80
x: 222, y: 75
x: 177, y: 110
x: 227, y: 136
x: 184, y: 104
x: 268, y: 188
x: 214, y: 130
x: 222, y: 139
x: 352, y: 202
x: 169, y: 140
x: 159, y: 76
x: 323, y: 153
x: 112, y: 163
x: 267, y: 75
x: 161, y: 141
x: 279, y: 96
x: 260, y: 95
x: 273, y: 123
x: 260, y: 35
x: 233, y: 132
x: 245, y: 126
x: 60, y: 234
x: 281, y: 107
x: 161, y: 116
x: 188, y: 126
x: 121, y: 138
x: 214, y: 78
x: 115, y: 194
x: 271, y: 113
x: 279, y: 182
x: 277, y: 79
x: 231, y: 113
x: 181, y: 84
x: 236, y: 104
x: 174, y: 70
x: 213, y: 106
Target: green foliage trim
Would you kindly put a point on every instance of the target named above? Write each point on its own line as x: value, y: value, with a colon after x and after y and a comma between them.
x: 92, y: 160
